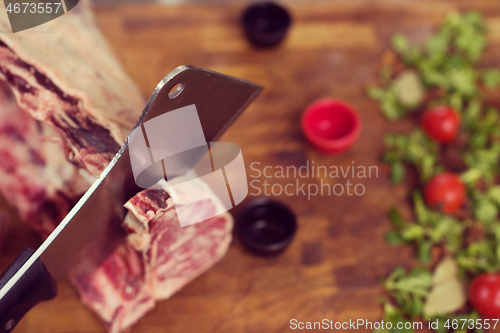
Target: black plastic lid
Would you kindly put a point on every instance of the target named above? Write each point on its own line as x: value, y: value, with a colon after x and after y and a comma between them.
x: 266, y: 24
x: 266, y: 226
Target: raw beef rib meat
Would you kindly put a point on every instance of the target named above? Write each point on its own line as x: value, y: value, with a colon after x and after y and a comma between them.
x: 159, y: 259
x: 65, y: 108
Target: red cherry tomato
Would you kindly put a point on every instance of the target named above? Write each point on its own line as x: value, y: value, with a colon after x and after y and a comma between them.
x: 441, y: 123
x: 484, y: 294
x: 445, y: 191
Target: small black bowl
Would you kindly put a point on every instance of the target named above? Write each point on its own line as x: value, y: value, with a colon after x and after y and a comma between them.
x: 266, y: 24
x: 266, y: 226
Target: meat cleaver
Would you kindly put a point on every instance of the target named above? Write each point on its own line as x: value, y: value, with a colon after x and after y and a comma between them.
x: 92, y: 229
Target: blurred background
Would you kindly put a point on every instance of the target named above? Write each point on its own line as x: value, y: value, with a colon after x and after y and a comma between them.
x: 335, y: 262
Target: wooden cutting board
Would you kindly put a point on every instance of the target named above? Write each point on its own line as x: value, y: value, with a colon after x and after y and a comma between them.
x: 333, y: 267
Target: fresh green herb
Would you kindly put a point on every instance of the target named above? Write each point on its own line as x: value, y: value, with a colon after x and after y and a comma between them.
x: 393, y: 315
x: 431, y: 228
x: 409, y: 290
x: 415, y: 149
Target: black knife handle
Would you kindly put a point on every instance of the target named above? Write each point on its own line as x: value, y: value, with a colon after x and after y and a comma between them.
x: 35, y: 286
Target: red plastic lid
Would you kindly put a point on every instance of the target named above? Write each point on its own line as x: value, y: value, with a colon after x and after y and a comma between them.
x: 331, y: 125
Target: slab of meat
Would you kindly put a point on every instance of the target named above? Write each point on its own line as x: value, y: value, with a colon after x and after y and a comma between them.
x: 65, y: 108
x: 159, y: 258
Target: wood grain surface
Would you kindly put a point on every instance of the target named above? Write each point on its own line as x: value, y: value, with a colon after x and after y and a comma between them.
x: 333, y: 267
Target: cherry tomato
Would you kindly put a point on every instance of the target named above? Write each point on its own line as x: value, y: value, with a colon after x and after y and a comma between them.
x: 484, y: 294
x: 445, y: 191
x: 441, y: 123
